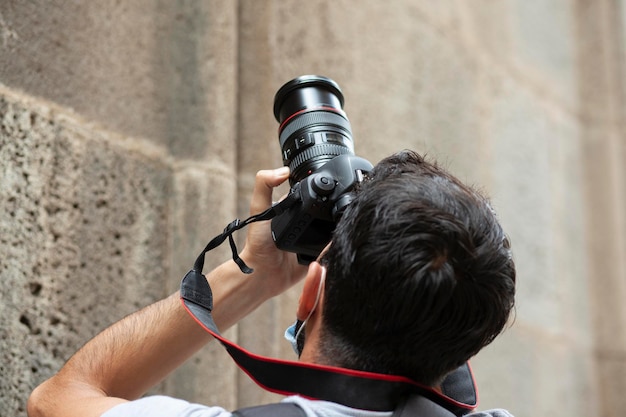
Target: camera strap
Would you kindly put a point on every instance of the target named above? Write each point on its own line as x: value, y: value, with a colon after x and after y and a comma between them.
x: 356, y: 389
x: 270, y: 213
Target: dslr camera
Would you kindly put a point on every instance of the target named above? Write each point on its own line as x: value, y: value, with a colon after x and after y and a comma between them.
x: 316, y: 144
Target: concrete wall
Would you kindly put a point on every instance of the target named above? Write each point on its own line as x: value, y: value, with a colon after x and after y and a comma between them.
x: 131, y: 131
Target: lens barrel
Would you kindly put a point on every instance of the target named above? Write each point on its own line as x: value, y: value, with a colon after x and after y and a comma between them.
x: 313, y: 126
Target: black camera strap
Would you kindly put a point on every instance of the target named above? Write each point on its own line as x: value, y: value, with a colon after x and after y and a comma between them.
x: 356, y: 389
x: 270, y: 213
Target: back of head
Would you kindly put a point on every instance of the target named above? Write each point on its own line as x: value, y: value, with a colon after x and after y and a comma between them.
x: 420, y: 275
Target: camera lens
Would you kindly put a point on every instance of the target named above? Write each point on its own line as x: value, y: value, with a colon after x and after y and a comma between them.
x: 313, y: 126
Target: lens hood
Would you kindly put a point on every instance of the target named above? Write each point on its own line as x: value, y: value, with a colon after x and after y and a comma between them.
x: 304, y: 92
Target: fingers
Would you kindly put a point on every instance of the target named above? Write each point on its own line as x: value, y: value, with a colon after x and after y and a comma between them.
x: 264, y: 183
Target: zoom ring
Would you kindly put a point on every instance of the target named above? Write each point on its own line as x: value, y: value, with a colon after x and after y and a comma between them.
x: 326, y: 149
x: 314, y: 118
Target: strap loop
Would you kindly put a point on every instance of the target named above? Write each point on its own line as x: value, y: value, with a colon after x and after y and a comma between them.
x: 237, y: 224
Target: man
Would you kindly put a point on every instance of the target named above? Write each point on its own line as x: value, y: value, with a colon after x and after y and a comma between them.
x: 417, y: 279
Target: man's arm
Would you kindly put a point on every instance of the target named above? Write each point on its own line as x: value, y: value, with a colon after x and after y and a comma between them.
x: 128, y: 358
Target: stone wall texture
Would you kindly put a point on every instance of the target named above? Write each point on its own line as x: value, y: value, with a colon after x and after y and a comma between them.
x: 130, y: 133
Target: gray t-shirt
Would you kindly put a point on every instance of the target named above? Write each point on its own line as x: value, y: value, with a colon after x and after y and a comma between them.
x: 162, y: 406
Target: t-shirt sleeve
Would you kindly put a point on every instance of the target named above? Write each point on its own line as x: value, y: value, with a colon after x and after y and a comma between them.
x: 491, y: 413
x: 162, y: 406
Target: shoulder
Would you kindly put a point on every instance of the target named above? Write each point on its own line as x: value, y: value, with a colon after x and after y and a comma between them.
x: 162, y: 406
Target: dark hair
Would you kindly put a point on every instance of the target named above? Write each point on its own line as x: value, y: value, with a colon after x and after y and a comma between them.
x: 419, y: 274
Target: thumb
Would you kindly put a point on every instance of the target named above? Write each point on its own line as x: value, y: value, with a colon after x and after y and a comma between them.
x: 264, y: 183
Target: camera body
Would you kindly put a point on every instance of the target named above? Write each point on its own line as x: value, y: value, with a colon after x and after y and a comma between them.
x: 316, y: 143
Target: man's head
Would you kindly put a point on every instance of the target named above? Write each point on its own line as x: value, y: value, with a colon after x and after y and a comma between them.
x: 419, y: 274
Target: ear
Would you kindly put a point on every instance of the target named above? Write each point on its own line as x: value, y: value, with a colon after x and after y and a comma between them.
x: 311, y: 288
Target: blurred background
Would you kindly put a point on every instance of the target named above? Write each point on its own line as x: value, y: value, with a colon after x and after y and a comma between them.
x: 131, y: 131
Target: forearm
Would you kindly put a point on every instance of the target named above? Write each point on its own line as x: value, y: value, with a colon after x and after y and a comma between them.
x: 128, y: 358
x: 136, y: 353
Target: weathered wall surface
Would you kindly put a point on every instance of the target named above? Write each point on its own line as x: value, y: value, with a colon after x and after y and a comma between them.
x: 130, y: 134
x: 81, y: 219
